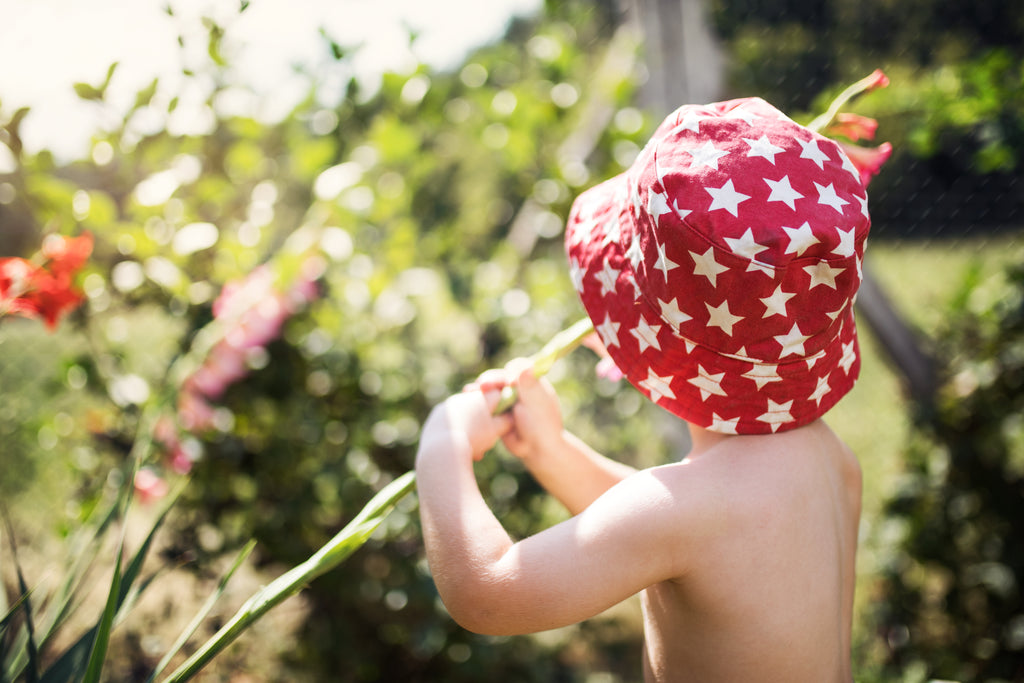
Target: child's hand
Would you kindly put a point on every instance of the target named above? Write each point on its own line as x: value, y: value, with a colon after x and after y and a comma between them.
x: 470, y: 414
x: 536, y: 418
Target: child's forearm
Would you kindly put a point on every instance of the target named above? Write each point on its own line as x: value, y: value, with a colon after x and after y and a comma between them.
x: 575, y: 473
x: 461, y: 535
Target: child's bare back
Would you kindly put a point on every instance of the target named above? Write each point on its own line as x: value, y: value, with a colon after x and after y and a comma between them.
x: 768, y: 595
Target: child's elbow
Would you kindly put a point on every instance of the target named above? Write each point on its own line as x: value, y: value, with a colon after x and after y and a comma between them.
x: 483, y: 613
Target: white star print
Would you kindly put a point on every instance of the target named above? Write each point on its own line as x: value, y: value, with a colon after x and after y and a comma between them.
x: 608, y: 331
x: 846, y: 246
x: 657, y: 204
x: 778, y: 413
x: 792, y: 342
x: 726, y: 197
x: 721, y: 317
x: 723, y: 426
x: 741, y: 114
x: 783, y: 192
x: 646, y: 335
x: 576, y: 274
x: 813, y: 152
x: 634, y: 254
x: 823, y: 274
x: 827, y: 196
x: 820, y: 390
x: 776, y: 303
x: 800, y: 239
x: 706, y: 155
x: 763, y: 374
x: 658, y: 387
x: 745, y: 245
x: 691, y: 121
x: 664, y: 263
x: 611, y: 233
x: 706, y: 265
x: 607, y: 277
x: 707, y: 383
x: 848, y: 165
x: 762, y: 148
x: 670, y: 312
x: 849, y: 357
x: 863, y: 205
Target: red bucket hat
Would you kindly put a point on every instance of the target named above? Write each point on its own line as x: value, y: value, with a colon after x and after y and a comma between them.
x: 721, y: 268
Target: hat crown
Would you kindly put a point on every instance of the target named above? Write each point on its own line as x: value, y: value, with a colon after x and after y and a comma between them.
x: 733, y: 202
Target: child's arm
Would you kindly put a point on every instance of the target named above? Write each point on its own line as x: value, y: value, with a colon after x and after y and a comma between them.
x: 565, y: 466
x: 629, y: 538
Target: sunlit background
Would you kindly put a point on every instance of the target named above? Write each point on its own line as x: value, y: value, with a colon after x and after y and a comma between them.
x: 386, y: 184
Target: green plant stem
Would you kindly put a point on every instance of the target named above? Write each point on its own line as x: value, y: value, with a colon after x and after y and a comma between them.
x: 347, y: 541
x: 559, y: 345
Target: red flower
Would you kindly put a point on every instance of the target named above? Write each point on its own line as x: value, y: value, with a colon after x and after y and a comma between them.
x: 65, y: 255
x: 867, y: 160
x: 854, y: 127
x: 44, y: 291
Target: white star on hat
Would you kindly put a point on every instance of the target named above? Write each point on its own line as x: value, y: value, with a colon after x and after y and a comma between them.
x: 863, y: 204
x: 763, y: 374
x: 827, y: 196
x: 813, y: 152
x: 607, y: 277
x: 726, y: 197
x: 776, y: 303
x: 762, y: 148
x: 742, y: 114
x: 657, y: 387
x: 800, y: 238
x: 634, y: 254
x: 783, y: 192
x: 745, y: 245
x: 823, y: 274
x: 706, y: 155
x: 849, y: 356
x: 707, y: 383
x: 670, y: 312
x: 608, y: 331
x: 706, y: 265
x: 691, y: 121
x: 820, y: 391
x: 646, y: 335
x: 576, y: 274
x: 792, y: 342
x: 657, y: 204
x: 846, y: 246
x: 777, y: 414
x: 664, y: 263
x: 721, y: 317
x: 723, y: 426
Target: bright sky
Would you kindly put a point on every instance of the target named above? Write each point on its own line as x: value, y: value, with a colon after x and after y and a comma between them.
x: 46, y: 45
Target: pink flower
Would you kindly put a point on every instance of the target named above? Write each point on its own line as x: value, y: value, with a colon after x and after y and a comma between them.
x: 854, y: 127
x: 877, y: 79
x: 606, y: 367
x: 867, y: 160
x: 149, y: 487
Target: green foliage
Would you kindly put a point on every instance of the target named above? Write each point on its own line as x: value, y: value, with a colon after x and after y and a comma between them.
x: 953, y: 606
x: 954, y: 113
x: 436, y: 202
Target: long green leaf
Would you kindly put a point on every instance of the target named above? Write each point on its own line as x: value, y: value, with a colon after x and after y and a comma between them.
x: 203, y: 611
x: 347, y: 541
x: 31, y: 646
x: 106, y: 623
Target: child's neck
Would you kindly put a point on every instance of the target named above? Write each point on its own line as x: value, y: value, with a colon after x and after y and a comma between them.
x: 703, y: 440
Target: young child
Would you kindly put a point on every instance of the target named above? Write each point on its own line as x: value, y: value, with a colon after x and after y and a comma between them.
x: 720, y: 272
